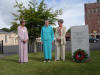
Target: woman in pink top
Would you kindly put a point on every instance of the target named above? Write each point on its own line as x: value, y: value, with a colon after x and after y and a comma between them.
x: 23, y: 40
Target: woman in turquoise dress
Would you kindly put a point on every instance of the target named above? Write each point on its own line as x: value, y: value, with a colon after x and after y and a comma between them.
x: 47, y: 37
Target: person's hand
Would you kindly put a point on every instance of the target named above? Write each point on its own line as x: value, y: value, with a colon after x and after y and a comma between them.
x: 41, y: 42
x: 58, y: 39
x: 52, y: 42
x: 24, y: 41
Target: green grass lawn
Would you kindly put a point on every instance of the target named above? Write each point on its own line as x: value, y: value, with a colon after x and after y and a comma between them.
x: 9, y: 66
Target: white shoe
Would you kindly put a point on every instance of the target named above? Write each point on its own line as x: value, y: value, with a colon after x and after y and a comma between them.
x: 44, y: 61
x: 49, y: 61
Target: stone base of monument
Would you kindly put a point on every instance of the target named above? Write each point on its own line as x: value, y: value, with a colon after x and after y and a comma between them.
x: 80, y: 39
x: 88, y: 60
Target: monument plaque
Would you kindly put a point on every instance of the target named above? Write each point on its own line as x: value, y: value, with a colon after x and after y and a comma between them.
x: 80, y: 38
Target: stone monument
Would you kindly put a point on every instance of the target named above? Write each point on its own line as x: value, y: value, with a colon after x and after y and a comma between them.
x: 80, y: 38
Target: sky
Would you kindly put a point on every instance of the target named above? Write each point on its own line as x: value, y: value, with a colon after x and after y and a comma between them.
x: 73, y: 11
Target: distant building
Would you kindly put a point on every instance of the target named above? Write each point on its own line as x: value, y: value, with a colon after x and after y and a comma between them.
x: 9, y: 38
x: 92, y: 18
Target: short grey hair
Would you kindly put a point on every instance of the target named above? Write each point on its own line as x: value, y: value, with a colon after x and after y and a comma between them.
x: 61, y: 21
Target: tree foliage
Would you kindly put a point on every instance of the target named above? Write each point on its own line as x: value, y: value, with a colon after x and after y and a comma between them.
x: 34, y: 15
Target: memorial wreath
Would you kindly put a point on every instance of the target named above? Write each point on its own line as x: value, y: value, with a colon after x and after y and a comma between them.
x: 80, y: 56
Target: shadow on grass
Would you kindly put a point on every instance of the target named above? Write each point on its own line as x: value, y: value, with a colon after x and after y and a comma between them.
x: 39, y: 59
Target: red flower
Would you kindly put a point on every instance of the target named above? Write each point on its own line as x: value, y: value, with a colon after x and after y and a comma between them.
x: 80, y: 55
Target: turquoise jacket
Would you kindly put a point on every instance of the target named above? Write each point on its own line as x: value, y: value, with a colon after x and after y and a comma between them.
x: 47, y: 33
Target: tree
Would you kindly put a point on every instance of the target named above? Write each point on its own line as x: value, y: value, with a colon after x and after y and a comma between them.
x: 14, y: 26
x: 35, y: 15
x: 69, y: 30
x: 6, y: 29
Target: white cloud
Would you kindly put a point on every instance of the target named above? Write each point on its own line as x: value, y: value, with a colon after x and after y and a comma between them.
x: 6, y: 8
x: 73, y: 11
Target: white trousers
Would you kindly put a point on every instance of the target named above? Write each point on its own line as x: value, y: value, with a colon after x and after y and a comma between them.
x: 60, y: 51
